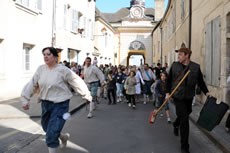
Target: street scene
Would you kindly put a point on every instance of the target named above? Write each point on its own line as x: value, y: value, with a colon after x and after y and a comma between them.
x: 115, y: 128
x: 124, y: 76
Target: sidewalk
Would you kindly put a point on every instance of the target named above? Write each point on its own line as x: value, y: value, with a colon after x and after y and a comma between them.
x: 12, y: 108
x: 218, y: 135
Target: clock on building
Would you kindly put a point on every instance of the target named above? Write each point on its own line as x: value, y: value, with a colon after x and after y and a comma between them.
x: 136, y: 45
x: 137, y: 12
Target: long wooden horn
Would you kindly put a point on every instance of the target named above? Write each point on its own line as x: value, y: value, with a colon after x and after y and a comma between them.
x: 154, y: 113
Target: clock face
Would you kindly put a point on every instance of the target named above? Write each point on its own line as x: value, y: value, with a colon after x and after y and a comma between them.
x: 136, y: 45
x: 136, y: 12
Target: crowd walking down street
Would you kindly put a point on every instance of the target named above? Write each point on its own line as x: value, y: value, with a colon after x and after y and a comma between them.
x: 58, y: 89
x: 142, y: 79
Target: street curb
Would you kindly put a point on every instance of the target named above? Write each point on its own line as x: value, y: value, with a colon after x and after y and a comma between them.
x: 77, y: 108
x: 71, y: 111
x: 74, y: 110
x: 221, y: 146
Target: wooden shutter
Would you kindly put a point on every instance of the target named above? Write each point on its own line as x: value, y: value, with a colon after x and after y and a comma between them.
x: 208, y: 53
x: 216, y: 52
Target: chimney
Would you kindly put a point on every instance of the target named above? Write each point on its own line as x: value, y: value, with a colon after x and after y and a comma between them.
x: 159, y: 9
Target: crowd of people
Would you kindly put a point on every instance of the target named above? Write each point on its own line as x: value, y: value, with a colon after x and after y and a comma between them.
x: 56, y: 82
x: 122, y: 83
x: 129, y: 83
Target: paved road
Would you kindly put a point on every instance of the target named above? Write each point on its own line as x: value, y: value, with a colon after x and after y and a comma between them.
x: 114, y: 129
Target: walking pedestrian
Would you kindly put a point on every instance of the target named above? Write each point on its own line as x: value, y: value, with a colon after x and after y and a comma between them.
x: 139, y: 83
x: 129, y: 86
x: 160, y: 91
x: 184, y: 95
x: 111, y: 87
x: 53, y: 81
x: 119, y: 84
x: 149, y: 78
x: 93, y: 77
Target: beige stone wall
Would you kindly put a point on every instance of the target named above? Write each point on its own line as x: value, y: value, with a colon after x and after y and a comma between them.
x: 203, y: 11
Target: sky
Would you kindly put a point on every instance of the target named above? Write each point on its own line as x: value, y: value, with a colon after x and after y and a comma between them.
x: 111, y: 6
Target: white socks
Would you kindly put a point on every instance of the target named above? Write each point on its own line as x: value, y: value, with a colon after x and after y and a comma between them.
x: 52, y: 150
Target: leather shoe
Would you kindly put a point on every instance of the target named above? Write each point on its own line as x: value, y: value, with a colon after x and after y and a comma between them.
x: 176, y: 130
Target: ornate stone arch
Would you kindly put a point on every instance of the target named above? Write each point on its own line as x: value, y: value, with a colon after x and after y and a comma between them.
x: 136, y: 48
x: 136, y: 45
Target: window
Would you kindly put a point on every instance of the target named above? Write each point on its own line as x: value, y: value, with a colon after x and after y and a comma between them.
x: 31, y: 4
x: 74, y: 26
x: 65, y: 17
x: 27, y: 57
x: 91, y: 29
x: 83, y: 24
x: 212, y: 52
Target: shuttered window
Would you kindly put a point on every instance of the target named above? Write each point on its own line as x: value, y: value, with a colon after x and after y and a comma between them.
x: 27, y: 57
x: 212, y: 52
x: 74, y: 26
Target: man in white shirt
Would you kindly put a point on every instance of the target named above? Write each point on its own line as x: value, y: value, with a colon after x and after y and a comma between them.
x: 149, y: 78
x: 93, y: 77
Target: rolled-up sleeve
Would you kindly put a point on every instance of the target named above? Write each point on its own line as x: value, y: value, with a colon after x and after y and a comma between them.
x: 28, y: 89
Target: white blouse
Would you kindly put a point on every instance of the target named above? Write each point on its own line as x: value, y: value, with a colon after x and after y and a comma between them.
x: 54, y: 84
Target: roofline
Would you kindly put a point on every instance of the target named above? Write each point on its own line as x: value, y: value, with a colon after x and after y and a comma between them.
x: 162, y: 19
x: 99, y: 18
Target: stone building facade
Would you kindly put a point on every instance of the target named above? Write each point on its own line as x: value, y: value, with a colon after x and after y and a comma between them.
x: 203, y: 26
x: 28, y: 26
x: 133, y: 26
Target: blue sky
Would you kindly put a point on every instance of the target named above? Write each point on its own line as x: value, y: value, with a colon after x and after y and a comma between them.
x: 111, y: 6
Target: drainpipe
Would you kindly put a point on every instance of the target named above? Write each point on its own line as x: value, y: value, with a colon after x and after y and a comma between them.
x: 190, y: 23
x: 161, y: 46
x: 53, y: 41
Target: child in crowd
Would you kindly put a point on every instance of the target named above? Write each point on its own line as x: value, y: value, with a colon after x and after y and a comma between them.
x: 160, y: 91
x: 129, y: 86
x: 119, y: 84
x: 111, y: 87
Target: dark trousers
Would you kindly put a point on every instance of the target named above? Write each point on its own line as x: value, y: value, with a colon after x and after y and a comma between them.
x: 131, y: 99
x: 147, y: 87
x: 52, y: 120
x: 183, y: 109
x: 227, y: 123
x: 113, y: 92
